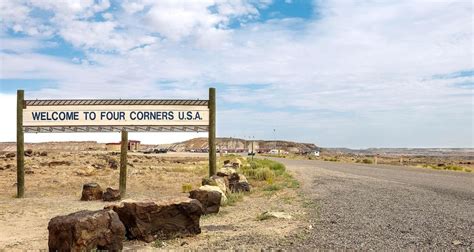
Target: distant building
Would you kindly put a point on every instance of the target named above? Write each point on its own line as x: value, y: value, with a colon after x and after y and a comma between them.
x: 133, y: 145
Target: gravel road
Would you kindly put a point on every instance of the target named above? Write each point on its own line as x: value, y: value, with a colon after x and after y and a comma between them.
x: 385, y: 207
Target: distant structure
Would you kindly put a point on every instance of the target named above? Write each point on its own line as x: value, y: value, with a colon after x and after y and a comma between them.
x: 133, y: 145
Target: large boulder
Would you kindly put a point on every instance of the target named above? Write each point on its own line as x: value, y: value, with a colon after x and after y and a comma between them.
x: 149, y: 221
x: 223, y: 172
x: 111, y: 194
x: 236, y: 164
x: 210, y: 200
x: 85, y: 231
x: 91, y: 191
x: 221, y: 182
x: 215, y: 189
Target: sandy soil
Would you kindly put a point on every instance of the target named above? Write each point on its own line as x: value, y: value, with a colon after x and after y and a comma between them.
x: 54, y: 183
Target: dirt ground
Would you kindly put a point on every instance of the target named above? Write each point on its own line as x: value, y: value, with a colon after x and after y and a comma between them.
x: 54, y: 182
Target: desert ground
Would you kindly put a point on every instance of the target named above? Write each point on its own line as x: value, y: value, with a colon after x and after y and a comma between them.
x: 54, y: 182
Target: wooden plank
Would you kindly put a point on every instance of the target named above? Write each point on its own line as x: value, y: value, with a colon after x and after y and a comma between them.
x: 123, y: 164
x: 212, y: 131
x: 20, y: 145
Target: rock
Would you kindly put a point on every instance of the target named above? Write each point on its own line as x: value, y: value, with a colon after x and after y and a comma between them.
x: 238, y: 183
x: 43, y: 154
x: 91, y: 191
x: 456, y: 242
x: 226, y: 162
x: 215, y: 189
x: 111, y: 194
x: 225, y: 172
x: 88, y: 171
x: 28, y: 152
x: 236, y: 164
x: 221, y: 182
x: 278, y: 215
x: 239, y: 187
x: 113, y: 164
x: 28, y: 170
x: 149, y: 221
x: 10, y: 155
x: 85, y: 231
x: 210, y: 200
x: 98, y: 166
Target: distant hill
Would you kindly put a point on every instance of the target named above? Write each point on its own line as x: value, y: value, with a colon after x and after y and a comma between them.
x: 241, y: 145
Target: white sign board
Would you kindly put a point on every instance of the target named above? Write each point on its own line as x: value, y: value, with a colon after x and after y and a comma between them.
x: 114, y: 115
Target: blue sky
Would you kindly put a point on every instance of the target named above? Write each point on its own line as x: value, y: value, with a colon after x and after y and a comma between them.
x: 335, y: 73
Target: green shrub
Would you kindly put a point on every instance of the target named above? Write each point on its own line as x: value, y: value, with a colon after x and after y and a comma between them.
x: 263, y: 174
x: 274, y: 187
x: 367, y: 161
x: 233, y: 198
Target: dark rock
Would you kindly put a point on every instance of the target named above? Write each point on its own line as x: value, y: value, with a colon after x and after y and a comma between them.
x: 226, y: 162
x: 111, y: 194
x: 86, y: 231
x: 210, y: 200
x: 239, y: 187
x: 43, y: 154
x: 238, y: 183
x: 10, y: 155
x: 113, y: 164
x: 28, y: 170
x: 91, y: 191
x: 98, y: 166
x: 28, y: 152
x: 149, y: 221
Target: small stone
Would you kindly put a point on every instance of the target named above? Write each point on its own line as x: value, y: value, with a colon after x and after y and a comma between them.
x: 113, y: 164
x: 10, y: 155
x: 43, y: 154
x: 28, y: 152
x: 91, y: 191
x: 277, y: 215
x: 456, y: 242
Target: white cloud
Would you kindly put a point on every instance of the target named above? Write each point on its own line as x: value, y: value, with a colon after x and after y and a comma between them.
x: 361, y: 68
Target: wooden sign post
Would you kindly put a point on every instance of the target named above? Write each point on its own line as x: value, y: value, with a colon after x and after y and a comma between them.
x: 52, y: 116
x: 123, y: 164
x: 20, y: 145
x: 212, y: 132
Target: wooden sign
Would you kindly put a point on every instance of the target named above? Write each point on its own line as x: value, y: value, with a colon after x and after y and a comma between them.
x: 115, y: 115
x: 48, y: 116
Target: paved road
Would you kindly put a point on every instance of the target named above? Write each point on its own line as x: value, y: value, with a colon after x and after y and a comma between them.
x: 386, y: 207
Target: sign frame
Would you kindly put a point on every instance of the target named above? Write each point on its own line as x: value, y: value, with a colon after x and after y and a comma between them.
x: 208, y: 125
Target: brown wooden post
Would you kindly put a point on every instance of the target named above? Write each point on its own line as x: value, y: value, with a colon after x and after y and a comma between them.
x: 212, y: 131
x: 20, y: 145
x: 123, y: 164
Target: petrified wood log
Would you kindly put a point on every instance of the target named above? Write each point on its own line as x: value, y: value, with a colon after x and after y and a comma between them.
x: 149, y: 221
x: 85, y: 231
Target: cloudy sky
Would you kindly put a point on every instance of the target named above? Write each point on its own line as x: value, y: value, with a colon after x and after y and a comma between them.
x: 394, y: 73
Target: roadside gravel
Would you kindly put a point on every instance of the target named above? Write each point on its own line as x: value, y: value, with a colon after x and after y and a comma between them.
x: 373, y: 207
